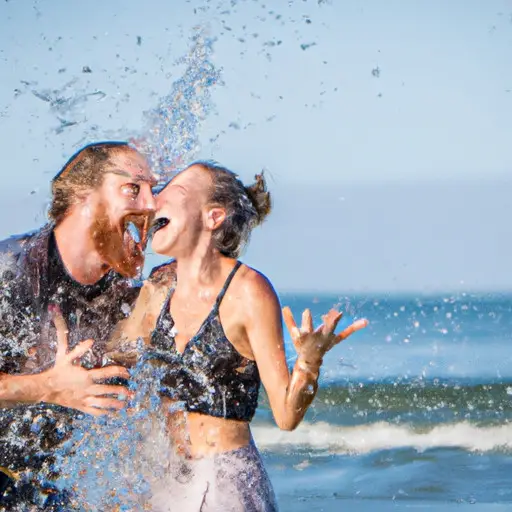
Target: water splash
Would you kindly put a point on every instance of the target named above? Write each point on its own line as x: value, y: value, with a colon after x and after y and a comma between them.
x: 67, y: 103
x: 116, y: 462
x: 112, y: 463
x: 172, y: 136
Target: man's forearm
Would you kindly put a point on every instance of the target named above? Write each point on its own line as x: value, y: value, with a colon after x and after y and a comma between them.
x: 19, y: 389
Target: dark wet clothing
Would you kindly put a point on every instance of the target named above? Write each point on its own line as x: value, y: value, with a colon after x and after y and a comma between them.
x: 32, y: 276
x: 210, y: 377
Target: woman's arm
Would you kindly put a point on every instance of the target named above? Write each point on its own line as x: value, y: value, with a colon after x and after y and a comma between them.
x: 122, y: 346
x: 289, y: 395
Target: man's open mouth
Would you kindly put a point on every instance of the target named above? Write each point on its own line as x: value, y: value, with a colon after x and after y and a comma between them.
x: 135, y: 233
x: 158, y: 224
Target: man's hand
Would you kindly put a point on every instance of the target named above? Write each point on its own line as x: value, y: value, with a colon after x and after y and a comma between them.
x: 70, y: 385
x: 311, y: 345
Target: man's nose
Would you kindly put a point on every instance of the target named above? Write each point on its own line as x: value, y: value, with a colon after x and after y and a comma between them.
x: 147, y: 200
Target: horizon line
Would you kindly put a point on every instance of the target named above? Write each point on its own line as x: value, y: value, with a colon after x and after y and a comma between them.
x: 488, y: 293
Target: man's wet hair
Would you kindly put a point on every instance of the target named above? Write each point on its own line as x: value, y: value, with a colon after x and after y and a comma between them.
x: 82, y: 173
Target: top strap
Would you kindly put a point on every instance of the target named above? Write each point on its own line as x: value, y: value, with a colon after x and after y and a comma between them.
x: 238, y: 264
x: 165, y: 307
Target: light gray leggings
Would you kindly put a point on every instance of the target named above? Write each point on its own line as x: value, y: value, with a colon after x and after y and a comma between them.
x: 234, y: 481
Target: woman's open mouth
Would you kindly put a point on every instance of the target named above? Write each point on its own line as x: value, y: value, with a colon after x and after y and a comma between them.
x: 158, y: 224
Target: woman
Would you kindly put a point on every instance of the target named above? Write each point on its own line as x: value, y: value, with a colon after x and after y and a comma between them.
x: 218, y: 335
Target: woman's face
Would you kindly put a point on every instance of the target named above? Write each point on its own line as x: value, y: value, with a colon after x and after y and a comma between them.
x: 183, y: 203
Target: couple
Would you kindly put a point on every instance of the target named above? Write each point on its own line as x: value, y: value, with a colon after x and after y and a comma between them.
x: 211, y: 323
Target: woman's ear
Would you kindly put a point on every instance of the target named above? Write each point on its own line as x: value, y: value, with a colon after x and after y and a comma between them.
x: 215, y: 218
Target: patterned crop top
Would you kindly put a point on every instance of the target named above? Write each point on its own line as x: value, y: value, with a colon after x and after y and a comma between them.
x: 210, y: 376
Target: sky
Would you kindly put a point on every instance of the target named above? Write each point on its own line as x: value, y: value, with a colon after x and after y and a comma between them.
x: 384, y: 126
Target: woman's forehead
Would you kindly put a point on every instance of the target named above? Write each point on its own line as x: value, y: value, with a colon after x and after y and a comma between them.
x: 193, y: 178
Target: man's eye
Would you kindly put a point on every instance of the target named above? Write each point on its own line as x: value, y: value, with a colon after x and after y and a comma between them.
x: 131, y: 190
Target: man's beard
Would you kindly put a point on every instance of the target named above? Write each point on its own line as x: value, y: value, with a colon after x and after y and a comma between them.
x: 114, y: 243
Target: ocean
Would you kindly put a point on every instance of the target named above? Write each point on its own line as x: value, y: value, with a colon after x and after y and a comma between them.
x: 412, y: 413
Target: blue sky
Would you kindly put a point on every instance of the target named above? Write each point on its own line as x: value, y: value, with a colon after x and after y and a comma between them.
x: 384, y: 126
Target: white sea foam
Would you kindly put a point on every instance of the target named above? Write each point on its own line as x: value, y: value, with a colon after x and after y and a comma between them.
x: 361, y: 439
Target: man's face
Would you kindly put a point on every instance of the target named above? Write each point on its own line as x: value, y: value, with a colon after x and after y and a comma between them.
x: 124, y: 211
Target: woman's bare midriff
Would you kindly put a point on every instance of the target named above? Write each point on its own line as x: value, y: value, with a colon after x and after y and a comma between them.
x: 197, y: 435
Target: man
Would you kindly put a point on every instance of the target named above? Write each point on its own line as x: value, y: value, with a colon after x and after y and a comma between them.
x: 80, y: 265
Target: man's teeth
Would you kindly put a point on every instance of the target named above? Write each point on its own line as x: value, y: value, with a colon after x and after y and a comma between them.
x: 133, y: 231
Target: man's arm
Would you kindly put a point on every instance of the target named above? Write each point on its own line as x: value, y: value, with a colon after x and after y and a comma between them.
x: 66, y: 383
x: 16, y: 389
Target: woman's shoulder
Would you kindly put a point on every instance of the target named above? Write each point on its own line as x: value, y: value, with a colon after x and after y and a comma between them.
x: 164, y: 274
x: 255, y: 283
x: 254, y: 296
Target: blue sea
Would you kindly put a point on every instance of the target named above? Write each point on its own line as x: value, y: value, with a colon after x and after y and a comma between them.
x: 412, y: 413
